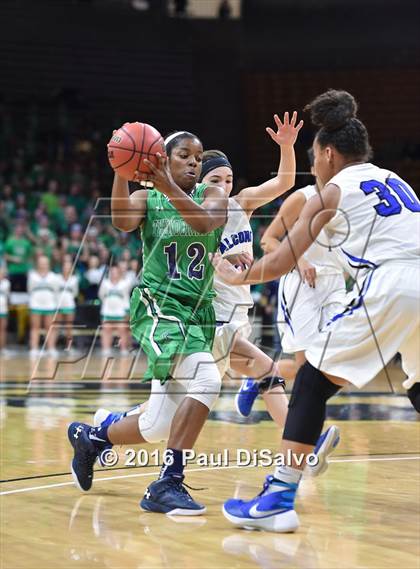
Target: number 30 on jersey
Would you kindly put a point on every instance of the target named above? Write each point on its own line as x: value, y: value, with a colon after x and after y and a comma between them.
x: 393, y: 196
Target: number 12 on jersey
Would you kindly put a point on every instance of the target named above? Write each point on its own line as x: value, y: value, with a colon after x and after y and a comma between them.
x: 195, y: 251
x: 388, y: 195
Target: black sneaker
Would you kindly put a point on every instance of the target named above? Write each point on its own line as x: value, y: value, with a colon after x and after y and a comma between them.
x: 85, y: 455
x: 169, y: 496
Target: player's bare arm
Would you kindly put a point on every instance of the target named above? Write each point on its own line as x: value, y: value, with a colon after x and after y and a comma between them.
x: 316, y: 213
x: 127, y: 210
x: 286, y: 135
x: 285, y: 219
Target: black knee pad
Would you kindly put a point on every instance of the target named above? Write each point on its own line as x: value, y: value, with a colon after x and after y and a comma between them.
x: 307, y: 405
x: 269, y: 383
x: 414, y: 396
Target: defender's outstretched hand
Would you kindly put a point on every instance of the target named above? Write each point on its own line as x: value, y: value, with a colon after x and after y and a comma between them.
x: 287, y: 132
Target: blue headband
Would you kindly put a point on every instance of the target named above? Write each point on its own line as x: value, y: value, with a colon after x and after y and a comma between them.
x: 212, y: 164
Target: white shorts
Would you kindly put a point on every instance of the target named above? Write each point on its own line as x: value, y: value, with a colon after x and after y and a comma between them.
x: 383, y: 319
x: 302, y: 310
x: 224, y: 339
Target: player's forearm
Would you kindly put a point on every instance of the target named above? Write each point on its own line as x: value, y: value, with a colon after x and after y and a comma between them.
x: 121, y: 206
x: 199, y: 218
x: 286, y: 173
x: 269, y: 267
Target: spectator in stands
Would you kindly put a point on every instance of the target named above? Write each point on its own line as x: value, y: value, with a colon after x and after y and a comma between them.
x: 70, y: 218
x: 8, y: 201
x: 73, y: 244
x: 51, y: 198
x: 68, y: 287
x: 4, y: 305
x: 43, y: 289
x: 18, y: 252
x: 130, y: 279
x: 135, y: 269
x: 104, y: 257
x: 113, y: 295
x: 4, y: 228
x: 76, y: 199
x: 92, y: 278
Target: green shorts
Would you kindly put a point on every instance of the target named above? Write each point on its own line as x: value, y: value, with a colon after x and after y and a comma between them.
x: 165, y: 328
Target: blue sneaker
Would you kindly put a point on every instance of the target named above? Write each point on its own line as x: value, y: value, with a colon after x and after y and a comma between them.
x: 324, y: 447
x: 244, y: 399
x: 104, y: 418
x: 85, y: 455
x: 271, y: 510
x: 168, y: 495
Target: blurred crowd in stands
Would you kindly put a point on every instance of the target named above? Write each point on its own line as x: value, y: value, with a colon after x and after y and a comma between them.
x: 61, y: 261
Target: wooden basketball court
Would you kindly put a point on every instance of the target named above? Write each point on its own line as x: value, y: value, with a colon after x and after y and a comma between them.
x: 363, y: 513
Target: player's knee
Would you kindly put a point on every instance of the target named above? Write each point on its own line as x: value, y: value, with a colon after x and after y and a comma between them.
x: 206, y: 385
x: 154, y: 429
x: 414, y: 396
x: 311, y: 382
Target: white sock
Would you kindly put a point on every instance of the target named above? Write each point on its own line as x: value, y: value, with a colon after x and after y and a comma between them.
x: 288, y: 474
x: 134, y: 411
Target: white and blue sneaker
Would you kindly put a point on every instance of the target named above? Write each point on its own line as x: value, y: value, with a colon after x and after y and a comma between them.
x: 104, y: 418
x: 271, y: 510
x: 244, y: 399
x: 168, y: 495
x: 327, y: 442
x: 85, y: 455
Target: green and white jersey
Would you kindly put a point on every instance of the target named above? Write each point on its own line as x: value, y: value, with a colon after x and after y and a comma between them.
x: 175, y: 256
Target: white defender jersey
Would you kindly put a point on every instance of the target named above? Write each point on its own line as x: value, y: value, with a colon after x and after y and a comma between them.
x: 233, y: 302
x: 320, y: 254
x: 68, y: 291
x: 377, y: 218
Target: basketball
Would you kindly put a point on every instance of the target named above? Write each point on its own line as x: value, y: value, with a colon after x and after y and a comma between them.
x: 130, y: 145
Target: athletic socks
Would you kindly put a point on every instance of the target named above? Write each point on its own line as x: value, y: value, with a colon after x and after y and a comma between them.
x: 99, y: 437
x: 287, y: 475
x: 173, y: 464
x: 133, y: 411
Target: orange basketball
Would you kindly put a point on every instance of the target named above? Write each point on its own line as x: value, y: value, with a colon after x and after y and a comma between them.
x: 130, y: 145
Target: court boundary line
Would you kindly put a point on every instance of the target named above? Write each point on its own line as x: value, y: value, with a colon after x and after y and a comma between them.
x: 206, y: 468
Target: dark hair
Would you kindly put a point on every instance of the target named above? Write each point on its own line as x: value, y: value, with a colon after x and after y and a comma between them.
x: 213, y: 159
x: 335, y: 113
x: 207, y: 154
x: 311, y: 158
x: 175, y: 140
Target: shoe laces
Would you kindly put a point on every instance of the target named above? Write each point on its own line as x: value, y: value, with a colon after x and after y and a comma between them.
x: 181, y: 487
x: 268, y: 480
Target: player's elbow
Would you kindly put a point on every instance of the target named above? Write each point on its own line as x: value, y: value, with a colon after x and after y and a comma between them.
x: 123, y: 224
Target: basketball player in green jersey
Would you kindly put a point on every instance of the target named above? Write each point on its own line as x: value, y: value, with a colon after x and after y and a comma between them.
x: 171, y: 316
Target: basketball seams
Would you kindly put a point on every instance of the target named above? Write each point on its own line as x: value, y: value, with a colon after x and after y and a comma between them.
x: 132, y: 150
x: 142, y: 146
x: 143, y: 137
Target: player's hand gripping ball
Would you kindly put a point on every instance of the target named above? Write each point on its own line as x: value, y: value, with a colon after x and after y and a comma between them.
x: 130, y: 145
